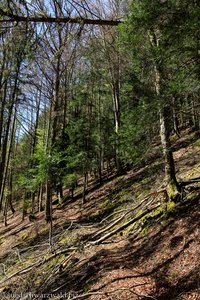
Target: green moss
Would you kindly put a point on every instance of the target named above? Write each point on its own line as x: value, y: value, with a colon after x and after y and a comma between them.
x: 107, y: 204
x: 114, y: 199
x: 191, y: 196
x: 138, y: 213
x: 157, y: 212
x: 163, y: 223
x: 170, y: 205
x: 197, y: 143
x: 144, y: 232
x: 86, y: 288
x: 65, y: 240
x: 124, y: 196
x: 146, y: 180
x: 153, y: 215
x: 51, y: 263
x: 61, y: 201
x: 173, y: 191
x: 193, y: 172
x: 2, y: 239
x: 118, y: 179
x: 23, y: 237
x: 174, y: 138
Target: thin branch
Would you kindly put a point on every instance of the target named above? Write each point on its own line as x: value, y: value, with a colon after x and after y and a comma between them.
x: 106, y: 293
x: 38, y: 264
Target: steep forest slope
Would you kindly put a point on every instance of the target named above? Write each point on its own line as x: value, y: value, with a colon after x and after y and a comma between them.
x: 125, y: 242
x: 99, y: 149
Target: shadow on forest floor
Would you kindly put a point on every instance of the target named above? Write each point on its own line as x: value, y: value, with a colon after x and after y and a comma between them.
x: 164, y: 255
x: 167, y: 254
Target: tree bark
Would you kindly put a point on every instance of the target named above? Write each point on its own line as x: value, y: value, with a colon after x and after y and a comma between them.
x: 48, y: 211
x: 84, y: 187
x: 173, y: 188
x: 40, y: 194
x: 7, y: 161
x: 48, y: 19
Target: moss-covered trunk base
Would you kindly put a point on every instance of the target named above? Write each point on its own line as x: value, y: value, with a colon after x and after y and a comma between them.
x: 174, y: 191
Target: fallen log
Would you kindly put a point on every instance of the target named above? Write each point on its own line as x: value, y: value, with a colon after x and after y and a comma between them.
x: 188, y: 182
x: 122, y: 227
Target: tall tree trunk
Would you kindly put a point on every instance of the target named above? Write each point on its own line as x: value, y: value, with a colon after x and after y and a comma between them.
x: 175, y: 119
x: 84, y: 187
x: 48, y: 211
x: 7, y: 161
x: 170, y: 177
x: 170, y: 174
x: 34, y: 140
x: 48, y: 180
x: 7, y: 130
x: 40, y: 194
x: 10, y: 196
x: 116, y: 110
x: 6, y: 211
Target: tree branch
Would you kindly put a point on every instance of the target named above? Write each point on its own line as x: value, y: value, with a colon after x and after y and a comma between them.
x: 122, y: 227
x: 48, y: 19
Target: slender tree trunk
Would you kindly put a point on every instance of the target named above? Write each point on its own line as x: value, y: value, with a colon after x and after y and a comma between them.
x: 40, y: 194
x: 84, y: 187
x: 100, y: 172
x: 48, y: 215
x: 48, y: 209
x: 3, y: 89
x: 24, y: 210
x: 116, y: 110
x: 6, y: 211
x: 7, y: 161
x: 10, y: 196
x: 175, y: 119
x: 8, y: 124
x: 48, y: 181
x: 60, y: 192
x: 194, y: 114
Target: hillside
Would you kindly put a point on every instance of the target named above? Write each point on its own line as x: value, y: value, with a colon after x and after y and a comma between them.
x: 99, y: 149
x: 154, y: 257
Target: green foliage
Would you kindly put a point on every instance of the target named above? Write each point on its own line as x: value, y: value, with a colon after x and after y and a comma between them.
x: 69, y: 180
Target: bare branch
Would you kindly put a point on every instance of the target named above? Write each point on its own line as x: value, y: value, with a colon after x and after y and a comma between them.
x: 48, y: 19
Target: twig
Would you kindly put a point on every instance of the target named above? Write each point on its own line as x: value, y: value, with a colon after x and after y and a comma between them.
x: 106, y: 293
x: 113, y: 214
x: 31, y: 247
x: 18, y: 254
x: 4, y: 269
x: 58, y: 267
x: 36, y: 264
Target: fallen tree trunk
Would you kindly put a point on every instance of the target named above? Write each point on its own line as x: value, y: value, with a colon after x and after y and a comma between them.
x: 188, y: 182
x: 122, y: 227
x: 131, y: 210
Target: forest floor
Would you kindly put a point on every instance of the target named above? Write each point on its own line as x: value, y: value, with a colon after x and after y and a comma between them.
x: 161, y: 261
